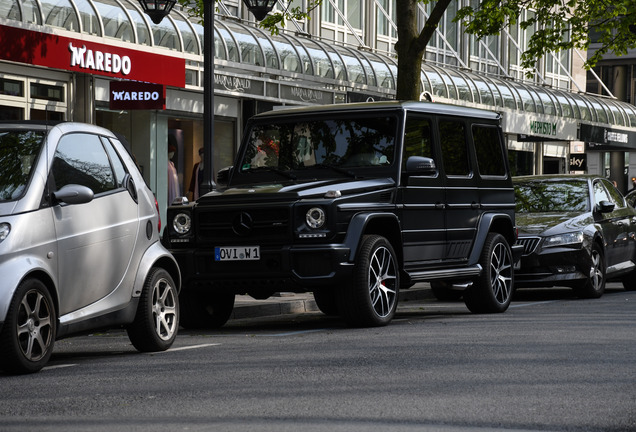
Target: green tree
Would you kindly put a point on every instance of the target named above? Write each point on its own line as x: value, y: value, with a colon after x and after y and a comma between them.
x: 560, y: 25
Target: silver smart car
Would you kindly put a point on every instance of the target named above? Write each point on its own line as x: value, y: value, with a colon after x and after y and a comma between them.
x: 79, y: 244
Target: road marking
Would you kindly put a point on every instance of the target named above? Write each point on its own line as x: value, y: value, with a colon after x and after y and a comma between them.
x: 188, y: 348
x: 533, y: 303
x: 292, y: 333
x: 58, y: 366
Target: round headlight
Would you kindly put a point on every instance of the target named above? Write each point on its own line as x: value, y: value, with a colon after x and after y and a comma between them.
x: 182, y: 223
x: 315, y: 217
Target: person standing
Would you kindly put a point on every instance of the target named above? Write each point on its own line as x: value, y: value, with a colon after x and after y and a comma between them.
x: 197, y: 175
x: 174, y: 189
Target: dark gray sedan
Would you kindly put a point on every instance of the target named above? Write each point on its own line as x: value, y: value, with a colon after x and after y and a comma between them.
x: 577, y: 231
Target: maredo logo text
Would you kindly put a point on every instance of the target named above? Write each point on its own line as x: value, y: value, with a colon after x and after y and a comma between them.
x: 100, y: 61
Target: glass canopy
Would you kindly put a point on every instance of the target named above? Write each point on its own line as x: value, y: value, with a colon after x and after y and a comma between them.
x: 246, y: 47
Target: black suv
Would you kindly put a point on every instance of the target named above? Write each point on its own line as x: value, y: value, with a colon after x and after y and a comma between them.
x: 353, y: 202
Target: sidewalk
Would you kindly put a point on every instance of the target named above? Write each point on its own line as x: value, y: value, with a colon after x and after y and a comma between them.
x: 290, y: 303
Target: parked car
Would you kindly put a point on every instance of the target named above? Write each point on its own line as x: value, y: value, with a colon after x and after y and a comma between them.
x: 79, y: 244
x: 353, y: 202
x: 577, y: 231
x: 631, y: 198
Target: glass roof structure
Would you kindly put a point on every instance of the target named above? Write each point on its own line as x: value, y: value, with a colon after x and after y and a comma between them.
x: 251, y: 49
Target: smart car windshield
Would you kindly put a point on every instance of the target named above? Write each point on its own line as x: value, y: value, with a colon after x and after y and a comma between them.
x: 549, y: 196
x: 18, y: 151
x: 346, y: 143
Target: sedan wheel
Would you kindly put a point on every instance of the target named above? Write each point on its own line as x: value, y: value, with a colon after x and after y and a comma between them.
x: 157, y: 320
x: 594, y: 285
x: 28, y: 334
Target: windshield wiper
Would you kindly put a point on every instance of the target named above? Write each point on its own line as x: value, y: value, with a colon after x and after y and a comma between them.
x: 336, y: 169
x: 272, y: 169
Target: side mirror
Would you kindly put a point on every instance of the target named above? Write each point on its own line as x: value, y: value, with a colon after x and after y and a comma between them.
x: 419, y: 165
x: 74, y: 194
x: 223, y: 176
x: 605, y: 207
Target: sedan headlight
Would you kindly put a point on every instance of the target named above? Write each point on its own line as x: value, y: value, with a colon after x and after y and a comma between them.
x: 182, y: 223
x: 564, y: 239
x: 5, y: 229
x: 315, y: 218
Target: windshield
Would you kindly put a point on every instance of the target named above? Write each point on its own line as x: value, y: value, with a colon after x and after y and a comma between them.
x: 549, y: 196
x: 18, y: 151
x: 306, y: 145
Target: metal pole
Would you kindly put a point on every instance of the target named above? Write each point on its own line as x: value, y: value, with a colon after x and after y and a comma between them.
x: 208, y: 96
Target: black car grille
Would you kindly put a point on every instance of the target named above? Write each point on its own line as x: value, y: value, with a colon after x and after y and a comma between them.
x: 242, y: 225
x: 529, y: 244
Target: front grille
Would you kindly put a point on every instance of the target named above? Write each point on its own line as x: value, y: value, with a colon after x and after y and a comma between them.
x: 529, y: 244
x: 243, y: 224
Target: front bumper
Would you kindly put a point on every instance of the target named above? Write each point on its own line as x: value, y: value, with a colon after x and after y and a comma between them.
x: 553, y: 267
x: 284, y: 268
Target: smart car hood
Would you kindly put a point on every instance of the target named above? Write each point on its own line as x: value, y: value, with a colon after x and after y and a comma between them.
x: 298, y: 190
x: 551, y: 223
x: 7, y: 208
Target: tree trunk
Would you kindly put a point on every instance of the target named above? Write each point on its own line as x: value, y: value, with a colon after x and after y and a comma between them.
x: 411, y: 45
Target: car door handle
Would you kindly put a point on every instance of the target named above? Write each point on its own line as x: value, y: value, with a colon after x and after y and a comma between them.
x: 474, y: 205
x: 440, y: 206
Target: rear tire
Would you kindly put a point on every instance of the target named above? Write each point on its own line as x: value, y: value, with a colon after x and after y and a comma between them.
x: 28, y: 333
x: 492, y: 291
x: 371, y: 300
x: 326, y: 301
x: 204, y: 310
x: 157, y: 320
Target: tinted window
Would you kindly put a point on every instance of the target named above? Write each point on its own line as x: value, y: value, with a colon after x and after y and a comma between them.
x: 335, y: 142
x: 418, y: 138
x: 490, y: 159
x: 454, y: 148
x: 614, y: 194
x: 81, y: 159
x: 18, y: 151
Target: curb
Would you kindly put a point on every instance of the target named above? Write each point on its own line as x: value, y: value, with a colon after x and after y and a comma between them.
x: 290, y: 303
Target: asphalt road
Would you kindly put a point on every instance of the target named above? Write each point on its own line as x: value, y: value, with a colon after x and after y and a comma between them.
x: 550, y: 363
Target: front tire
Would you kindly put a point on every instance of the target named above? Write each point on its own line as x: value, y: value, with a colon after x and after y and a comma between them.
x: 204, y: 310
x: 371, y: 300
x: 157, y: 321
x: 594, y: 285
x: 492, y: 291
x: 28, y: 333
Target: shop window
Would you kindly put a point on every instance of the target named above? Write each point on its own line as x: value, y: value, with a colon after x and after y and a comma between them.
x: 11, y: 87
x: 45, y: 115
x: 11, y: 113
x: 47, y: 92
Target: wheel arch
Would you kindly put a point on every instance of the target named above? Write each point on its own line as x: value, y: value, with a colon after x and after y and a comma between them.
x: 386, y: 225
x: 492, y: 222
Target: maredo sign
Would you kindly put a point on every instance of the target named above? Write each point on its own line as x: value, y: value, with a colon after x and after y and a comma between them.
x: 77, y: 55
x: 129, y: 95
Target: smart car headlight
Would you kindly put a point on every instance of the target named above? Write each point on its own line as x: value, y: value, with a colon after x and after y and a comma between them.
x: 5, y: 229
x: 572, y: 238
x: 182, y: 223
x: 315, y: 218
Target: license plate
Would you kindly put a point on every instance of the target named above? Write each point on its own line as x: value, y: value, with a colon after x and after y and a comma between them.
x: 237, y: 253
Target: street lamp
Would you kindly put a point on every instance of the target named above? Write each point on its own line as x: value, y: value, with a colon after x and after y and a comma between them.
x: 259, y: 8
x: 157, y: 9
